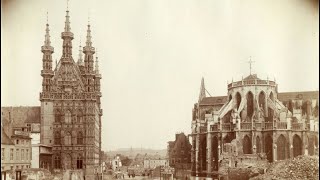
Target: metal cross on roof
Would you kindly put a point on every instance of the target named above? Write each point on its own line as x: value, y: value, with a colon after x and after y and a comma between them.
x: 250, y: 63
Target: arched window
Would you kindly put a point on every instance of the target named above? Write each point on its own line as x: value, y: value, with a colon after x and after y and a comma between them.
x: 68, y: 117
x: 79, y: 162
x: 238, y: 98
x: 262, y: 101
x: 57, y: 162
x: 250, y: 104
x: 79, y: 117
x: 57, y: 118
x: 67, y: 139
x: 271, y: 96
x: 79, y: 138
x: 57, y: 138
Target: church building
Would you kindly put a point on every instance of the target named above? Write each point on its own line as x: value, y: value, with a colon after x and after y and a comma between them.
x: 252, y: 122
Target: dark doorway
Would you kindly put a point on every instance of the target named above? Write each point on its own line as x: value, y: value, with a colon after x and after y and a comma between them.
x: 203, y: 151
x: 269, y: 148
x: 297, y: 146
x: 215, y: 152
x: 247, y: 145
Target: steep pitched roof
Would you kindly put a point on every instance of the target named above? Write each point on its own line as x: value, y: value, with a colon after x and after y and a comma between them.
x: 4, y: 138
x: 18, y: 116
x: 216, y: 100
x: 304, y: 95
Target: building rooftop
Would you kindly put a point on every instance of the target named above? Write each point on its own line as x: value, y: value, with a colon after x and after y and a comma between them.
x: 21, y: 115
x: 5, y: 138
x: 216, y: 100
x: 303, y: 95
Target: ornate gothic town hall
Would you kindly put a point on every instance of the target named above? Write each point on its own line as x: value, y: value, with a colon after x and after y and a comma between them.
x: 70, y: 104
x: 253, y: 122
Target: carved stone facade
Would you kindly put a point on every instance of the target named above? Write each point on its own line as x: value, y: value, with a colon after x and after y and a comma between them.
x: 70, y: 105
x: 255, y: 120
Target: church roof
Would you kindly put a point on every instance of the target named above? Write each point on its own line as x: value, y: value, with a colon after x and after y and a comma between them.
x: 303, y: 95
x: 216, y: 100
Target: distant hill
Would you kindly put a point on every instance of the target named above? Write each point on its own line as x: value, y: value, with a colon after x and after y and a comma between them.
x: 132, y: 152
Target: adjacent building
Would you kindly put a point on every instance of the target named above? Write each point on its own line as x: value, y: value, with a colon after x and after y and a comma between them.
x: 116, y: 163
x: 151, y: 162
x: 253, y: 120
x: 179, y: 152
x: 15, y: 139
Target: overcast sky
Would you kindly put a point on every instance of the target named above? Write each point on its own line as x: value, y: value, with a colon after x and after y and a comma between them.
x: 153, y: 54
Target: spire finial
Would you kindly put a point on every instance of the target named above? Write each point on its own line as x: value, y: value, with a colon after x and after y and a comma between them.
x: 250, y: 64
x: 67, y: 27
x: 47, y: 41
x: 89, y: 16
x: 88, y: 42
x: 80, y: 60
x: 202, y: 90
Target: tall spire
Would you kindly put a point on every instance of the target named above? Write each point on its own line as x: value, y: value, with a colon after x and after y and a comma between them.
x: 88, y: 50
x: 97, y: 62
x: 202, y: 90
x: 67, y: 27
x: 67, y: 37
x: 89, y: 42
x: 47, y: 41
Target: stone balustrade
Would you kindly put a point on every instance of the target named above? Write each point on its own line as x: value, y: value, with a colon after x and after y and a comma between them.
x: 251, y: 82
x: 246, y: 126
x: 268, y: 125
x: 72, y: 96
x: 281, y: 125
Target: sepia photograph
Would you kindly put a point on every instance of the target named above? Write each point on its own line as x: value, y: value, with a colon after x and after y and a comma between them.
x: 160, y: 89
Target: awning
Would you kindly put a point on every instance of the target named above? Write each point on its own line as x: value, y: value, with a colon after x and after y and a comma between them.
x: 230, y: 106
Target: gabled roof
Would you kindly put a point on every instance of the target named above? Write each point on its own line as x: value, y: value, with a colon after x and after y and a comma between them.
x: 303, y: 95
x: 4, y: 138
x: 216, y: 100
